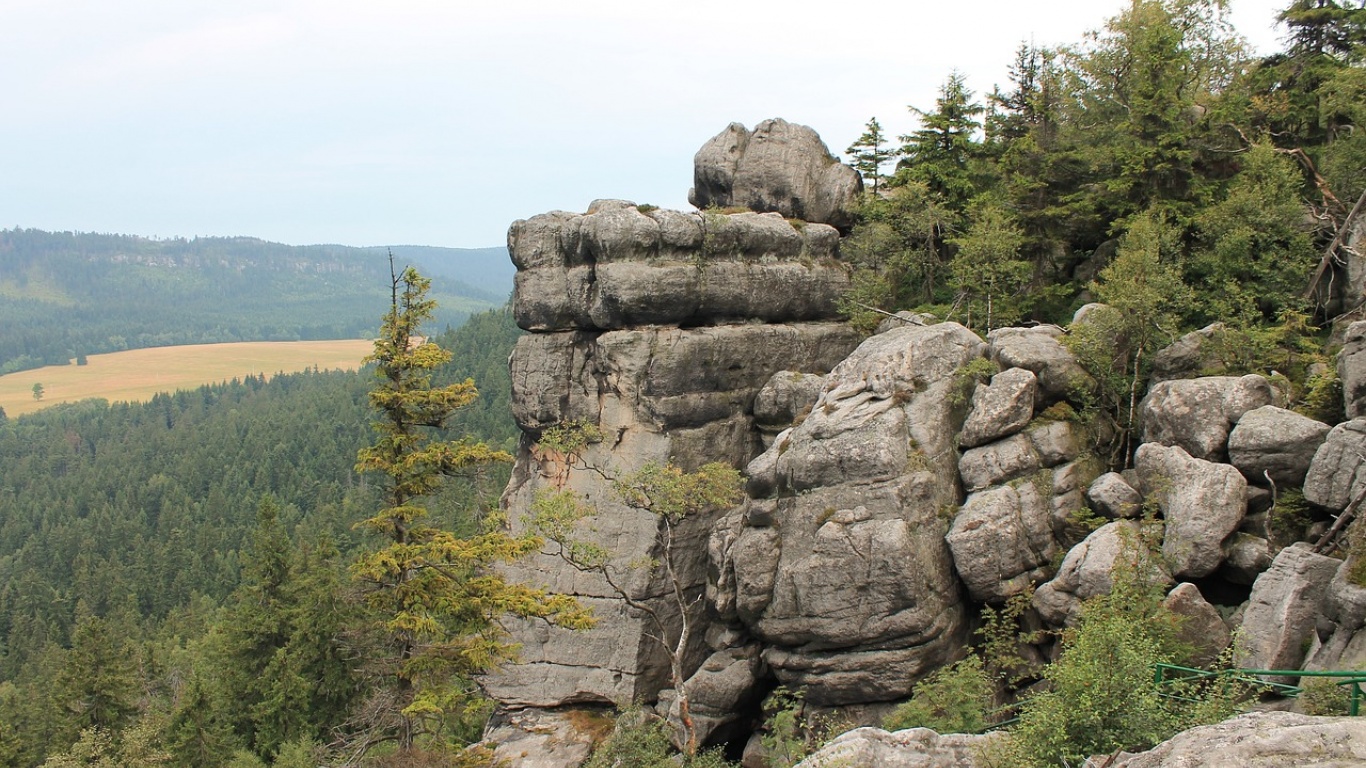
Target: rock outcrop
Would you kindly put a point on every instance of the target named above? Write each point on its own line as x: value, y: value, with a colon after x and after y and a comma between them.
x: 778, y: 167
x: 911, y: 748
x: 1261, y: 739
x: 643, y: 324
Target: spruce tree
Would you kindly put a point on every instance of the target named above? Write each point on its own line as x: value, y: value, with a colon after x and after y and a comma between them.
x: 435, y: 597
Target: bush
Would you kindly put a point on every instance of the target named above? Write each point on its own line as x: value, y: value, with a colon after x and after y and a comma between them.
x: 954, y: 699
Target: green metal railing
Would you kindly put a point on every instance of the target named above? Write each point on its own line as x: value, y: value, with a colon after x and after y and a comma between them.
x: 1166, y: 674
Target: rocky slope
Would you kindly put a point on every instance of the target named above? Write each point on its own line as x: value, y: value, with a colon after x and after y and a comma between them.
x: 894, y: 484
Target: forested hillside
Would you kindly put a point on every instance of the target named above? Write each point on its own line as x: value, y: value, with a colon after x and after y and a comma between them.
x: 70, y: 294
x: 128, y: 532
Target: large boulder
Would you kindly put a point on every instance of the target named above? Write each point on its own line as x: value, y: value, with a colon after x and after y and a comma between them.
x: 1344, y: 613
x: 1337, y: 473
x: 1277, y: 443
x: 837, y: 562
x: 618, y: 266
x: 911, y: 748
x: 717, y: 692
x: 1001, y: 408
x: 1283, y: 609
x: 1040, y: 349
x: 1202, y: 503
x: 1002, y: 541
x: 1201, y: 627
x: 1198, y: 414
x: 1046, y: 444
x: 536, y: 738
x: 1088, y: 570
x: 1352, y: 367
x: 1260, y: 740
x: 778, y: 167
x: 1194, y: 354
x: 1112, y: 496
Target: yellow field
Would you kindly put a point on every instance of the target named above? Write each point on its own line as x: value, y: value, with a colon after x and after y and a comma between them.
x: 139, y: 374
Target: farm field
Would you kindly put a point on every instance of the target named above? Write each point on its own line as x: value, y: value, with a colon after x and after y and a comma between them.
x: 137, y: 375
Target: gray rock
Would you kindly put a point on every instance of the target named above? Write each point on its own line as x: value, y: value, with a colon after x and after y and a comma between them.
x: 1246, y: 557
x: 536, y: 738
x: 1352, y: 369
x: 1202, y: 503
x: 779, y: 167
x: 1190, y: 356
x: 1344, y: 611
x: 1198, y: 414
x: 1283, y: 608
x: 1260, y: 740
x: 1336, y: 474
x: 844, y: 574
x: 1202, y: 628
x: 1002, y: 408
x: 904, y: 318
x: 716, y: 693
x: 911, y: 748
x: 1002, y: 541
x: 1274, y: 442
x: 786, y: 397
x: 1047, y: 444
x: 1040, y: 350
x: 1087, y: 570
x: 616, y: 266
x: 1110, y: 496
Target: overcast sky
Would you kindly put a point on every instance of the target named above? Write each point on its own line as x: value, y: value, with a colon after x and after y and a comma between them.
x: 439, y: 123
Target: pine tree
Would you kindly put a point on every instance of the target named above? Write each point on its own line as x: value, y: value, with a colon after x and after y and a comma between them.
x: 434, y: 595
x: 870, y: 152
x: 938, y: 153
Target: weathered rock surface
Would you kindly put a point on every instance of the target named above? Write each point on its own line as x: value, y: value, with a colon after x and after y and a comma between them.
x: 786, y: 397
x: 1352, y: 367
x: 779, y: 167
x: 1261, y: 740
x: 1190, y: 356
x: 616, y: 267
x: 1198, y: 414
x: 1201, y: 501
x: 1344, y: 613
x: 911, y: 748
x: 1001, y: 408
x: 1246, y: 557
x: 1047, y: 444
x: 1087, y: 570
x: 845, y: 575
x: 536, y: 738
x: 1039, y: 349
x: 658, y: 393
x: 1202, y: 628
x: 1336, y: 475
x: 716, y: 692
x: 1112, y: 497
x: 1277, y: 443
x: 1284, y: 606
x: 1002, y: 541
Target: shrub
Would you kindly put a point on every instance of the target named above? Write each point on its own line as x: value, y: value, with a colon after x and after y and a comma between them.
x: 954, y: 699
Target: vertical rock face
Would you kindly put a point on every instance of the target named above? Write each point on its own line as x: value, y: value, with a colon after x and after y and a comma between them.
x: 659, y: 327
x: 837, y: 562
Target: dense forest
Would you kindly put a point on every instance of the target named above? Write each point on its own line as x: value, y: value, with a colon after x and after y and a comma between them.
x: 176, y: 579
x: 134, y: 536
x: 72, y: 294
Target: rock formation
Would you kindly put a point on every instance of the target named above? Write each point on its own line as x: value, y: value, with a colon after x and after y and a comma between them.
x: 893, y: 485
x: 778, y: 167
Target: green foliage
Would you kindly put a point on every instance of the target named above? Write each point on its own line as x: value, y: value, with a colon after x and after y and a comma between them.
x: 953, y: 699
x: 1001, y: 634
x: 1146, y: 297
x: 870, y: 152
x: 938, y: 153
x: 789, y: 733
x: 1322, y: 397
x: 1100, y: 696
x: 1289, y: 518
x: 987, y: 272
x: 897, y: 253
x: 639, y: 741
x: 1257, y: 248
x: 434, y: 598
x: 1323, y: 697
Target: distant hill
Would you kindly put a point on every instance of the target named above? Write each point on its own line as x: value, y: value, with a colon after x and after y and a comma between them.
x: 65, y: 294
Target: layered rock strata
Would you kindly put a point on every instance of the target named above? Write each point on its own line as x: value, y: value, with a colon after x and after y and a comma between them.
x: 659, y: 328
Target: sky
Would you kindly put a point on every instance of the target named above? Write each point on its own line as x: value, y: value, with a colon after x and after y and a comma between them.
x: 439, y: 123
